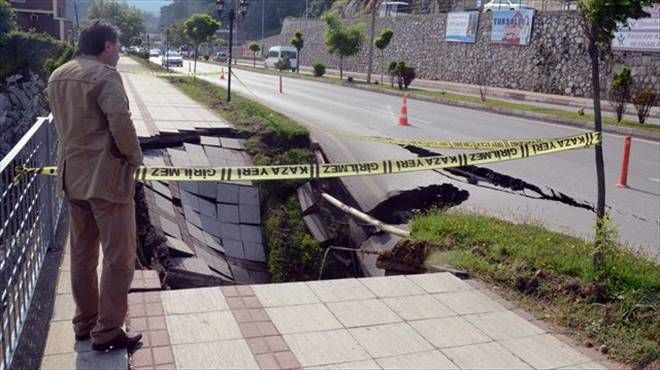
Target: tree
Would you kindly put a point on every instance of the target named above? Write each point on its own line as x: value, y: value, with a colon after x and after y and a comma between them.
x: 600, y: 19
x: 200, y: 28
x: 298, y: 43
x: 254, y: 48
x: 620, y: 91
x: 381, y: 43
x: 343, y: 40
x: 7, y: 20
x: 177, y: 35
x: 128, y: 19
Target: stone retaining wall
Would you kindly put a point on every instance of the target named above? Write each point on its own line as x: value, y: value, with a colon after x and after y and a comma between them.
x: 22, y: 100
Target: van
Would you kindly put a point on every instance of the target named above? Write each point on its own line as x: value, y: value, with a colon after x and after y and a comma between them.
x: 394, y: 8
x: 277, y: 53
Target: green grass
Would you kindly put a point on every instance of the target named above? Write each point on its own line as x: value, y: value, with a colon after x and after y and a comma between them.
x: 504, y: 253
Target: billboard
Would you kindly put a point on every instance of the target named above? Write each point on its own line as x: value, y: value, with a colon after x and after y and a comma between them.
x: 641, y: 34
x: 512, y: 27
x: 462, y: 26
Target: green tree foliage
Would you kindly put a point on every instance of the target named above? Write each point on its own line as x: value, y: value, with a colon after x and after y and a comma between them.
x: 298, y: 43
x: 254, y: 48
x: 177, y: 35
x: 643, y: 101
x: 381, y: 43
x: 7, y: 20
x: 200, y: 28
x: 345, y: 41
x: 620, y: 91
x: 128, y: 19
x: 318, y: 7
x: 25, y: 52
x: 319, y: 69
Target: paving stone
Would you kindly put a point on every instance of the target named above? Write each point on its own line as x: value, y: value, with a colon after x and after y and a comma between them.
x: 228, y: 213
x: 164, y: 204
x: 159, y: 338
x: 195, y: 231
x: 390, y: 340
x: 421, y: 361
x: 276, y: 343
x: 64, y: 308
x: 302, y: 318
x: 503, y: 325
x: 587, y: 366
x: 544, y: 351
x: 468, y: 302
x: 391, y: 286
x: 357, y: 365
x: 241, y: 275
x: 215, y: 261
x: 484, y: 356
x: 231, y: 143
x: 316, y: 227
x: 340, y: 290
x: 208, y: 189
x: 64, y: 283
x: 288, y: 294
x: 210, y: 141
x: 117, y: 359
x: 207, y: 208
x: 227, y: 193
x: 211, y: 225
x: 61, y: 339
x: 249, y: 214
x: 233, y: 248
x: 418, y: 307
x: 230, y: 231
x: 189, y: 199
x: 248, y: 195
x: 287, y: 360
x: 258, y: 345
x: 251, y: 233
x: 192, y: 216
x: 189, y: 186
x: 449, y: 332
x: 439, y: 282
x: 325, y: 347
x: 254, y: 251
x: 163, y: 355
x: 213, y: 242
x: 363, y: 313
x: 231, y: 354
x: 207, y: 327
x: 267, y: 361
x: 170, y: 228
x: 193, y: 300
x: 179, y: 247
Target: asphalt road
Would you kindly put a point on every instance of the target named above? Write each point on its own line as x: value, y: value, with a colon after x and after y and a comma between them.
x: 636, y: 210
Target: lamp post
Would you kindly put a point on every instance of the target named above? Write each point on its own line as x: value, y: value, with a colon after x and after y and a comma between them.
x: 231, y: 16
x: 167, y: 49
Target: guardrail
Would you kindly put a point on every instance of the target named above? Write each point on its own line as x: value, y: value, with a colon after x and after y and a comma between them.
x: 30, y: 211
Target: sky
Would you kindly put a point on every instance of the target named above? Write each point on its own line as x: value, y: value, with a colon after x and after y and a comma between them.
x: 152, y: 6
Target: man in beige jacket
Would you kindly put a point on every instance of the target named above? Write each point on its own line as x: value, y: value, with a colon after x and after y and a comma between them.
x: 97, y: 155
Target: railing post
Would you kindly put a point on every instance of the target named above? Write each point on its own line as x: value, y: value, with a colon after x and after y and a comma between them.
x: 46, y: 185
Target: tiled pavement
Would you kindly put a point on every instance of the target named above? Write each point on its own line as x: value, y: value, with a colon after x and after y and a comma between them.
x: 431, y: 321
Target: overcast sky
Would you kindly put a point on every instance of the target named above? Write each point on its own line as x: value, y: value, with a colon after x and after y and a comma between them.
x: 152, y: 6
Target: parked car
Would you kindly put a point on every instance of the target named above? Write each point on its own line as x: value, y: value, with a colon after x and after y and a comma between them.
x: 277, y: 53
x: 394, y: 8
x: 220, y: 56
x: 154, y: 53
x: 171, y: 58
x: 505, y: 5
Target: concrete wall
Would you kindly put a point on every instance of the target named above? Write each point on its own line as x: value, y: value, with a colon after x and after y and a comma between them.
x: 555, y: 61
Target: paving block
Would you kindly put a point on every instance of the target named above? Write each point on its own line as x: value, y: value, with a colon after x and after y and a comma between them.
x: 86, y: 360
x: 390, y: 340
x: 325, y: 347
x: 418, y: 307
x: 288, y: 294
x: 439, y: 282
x: 170, y: 228
x: 228, y: 213
x: 391, y: 286
x: 587, y: 366
x: 251, y: 233
x: 357, y: 365
x: 202, y: 327
x: 249, y: 214
x: 545, y: 351
x: 503, y: 325
x: 484, y: 356
x: 64, y: 282
x: 231, y: 354
x: 64, y: 308
x: 468, y: 302
x: 302, y: 318
x: 421, y: 361
x: 179, y: 247
x: 193, y: 300
x: 227, y: 193
x: 340, y: 290
x: 449, y: 332
x: 254, y: 251
x: 363, y: 313
x: 61, y: 339
x: 248, y: 195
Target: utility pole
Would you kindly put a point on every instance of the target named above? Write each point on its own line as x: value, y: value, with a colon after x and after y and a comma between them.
x: 263, y: 4
x: 371, y: 39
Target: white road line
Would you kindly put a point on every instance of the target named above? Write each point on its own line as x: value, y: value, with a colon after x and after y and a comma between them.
x: 654, y: 179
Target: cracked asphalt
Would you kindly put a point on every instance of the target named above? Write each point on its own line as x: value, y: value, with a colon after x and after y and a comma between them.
x: 557, y: 191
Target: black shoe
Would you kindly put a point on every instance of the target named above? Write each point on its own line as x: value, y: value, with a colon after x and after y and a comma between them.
x: 81, y: 338
x: 121, y: 341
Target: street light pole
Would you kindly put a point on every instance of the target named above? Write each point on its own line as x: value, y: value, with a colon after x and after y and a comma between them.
x: 167, y: 49
x: 242, y: 10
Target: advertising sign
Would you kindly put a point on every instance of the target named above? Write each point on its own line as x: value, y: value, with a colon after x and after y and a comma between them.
x: 462, y: 26
x: 641, y: 34
x: 512, y: 27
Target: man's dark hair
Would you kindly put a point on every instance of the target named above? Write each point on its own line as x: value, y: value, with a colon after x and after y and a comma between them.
x: 94, y: 35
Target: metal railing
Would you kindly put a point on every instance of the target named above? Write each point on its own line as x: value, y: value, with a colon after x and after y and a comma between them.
x: 30, y: 210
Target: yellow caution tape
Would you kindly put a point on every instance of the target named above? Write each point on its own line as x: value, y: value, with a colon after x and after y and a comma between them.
x: 370, y: 168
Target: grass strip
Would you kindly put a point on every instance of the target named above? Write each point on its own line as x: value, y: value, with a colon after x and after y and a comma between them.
x: 551, y: 275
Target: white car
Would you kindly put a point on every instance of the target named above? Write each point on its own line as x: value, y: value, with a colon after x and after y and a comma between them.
x: 171, y: 58
x: 154, y: 53
x: 505, y: 5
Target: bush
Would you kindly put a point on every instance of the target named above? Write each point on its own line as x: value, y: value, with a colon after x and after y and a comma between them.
x: 283, y: 64
x: 402, y: 74
x: 28, y: 51
x: 620, y: 91
x: 52, y: 64
x: 643, y: 101
x: 319, y: 69
x: 206, y: 58
x: 350, y: 79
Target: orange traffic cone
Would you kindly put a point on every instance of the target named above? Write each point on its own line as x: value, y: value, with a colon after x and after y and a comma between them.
x: 222, y: 73
x: 403, y: 116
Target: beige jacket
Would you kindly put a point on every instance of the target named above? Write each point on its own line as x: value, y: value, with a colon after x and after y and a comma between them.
x: 98, y: 149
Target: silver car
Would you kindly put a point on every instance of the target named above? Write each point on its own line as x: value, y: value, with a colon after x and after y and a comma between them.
x: 505, y: 5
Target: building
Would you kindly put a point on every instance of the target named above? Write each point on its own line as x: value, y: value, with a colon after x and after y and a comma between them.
x: 48, y: 16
